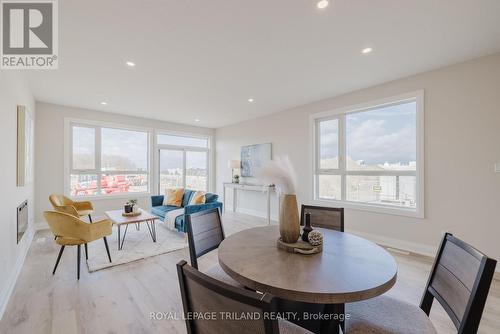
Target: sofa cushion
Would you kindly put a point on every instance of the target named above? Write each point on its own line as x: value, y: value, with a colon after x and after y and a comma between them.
x: 211, y: 198
x: 187, y: 196
x: 160, y: 211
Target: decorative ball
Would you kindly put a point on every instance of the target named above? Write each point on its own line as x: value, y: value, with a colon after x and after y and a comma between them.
x: 315, y: 238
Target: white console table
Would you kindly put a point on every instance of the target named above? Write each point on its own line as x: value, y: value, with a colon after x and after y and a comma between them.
x: 248, y: 187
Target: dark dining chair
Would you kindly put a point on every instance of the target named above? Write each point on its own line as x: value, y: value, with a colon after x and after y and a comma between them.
x: 325, y: 217
x: 205, y: 233
x: 220, y: 304
x: 460, y: 280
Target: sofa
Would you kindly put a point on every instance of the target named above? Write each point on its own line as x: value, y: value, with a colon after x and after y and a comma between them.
x: 160, y: 210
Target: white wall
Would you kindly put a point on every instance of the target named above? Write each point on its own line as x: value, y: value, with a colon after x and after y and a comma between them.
x: 462, y: 144
x: 49, y: 148
x: 14, y: 91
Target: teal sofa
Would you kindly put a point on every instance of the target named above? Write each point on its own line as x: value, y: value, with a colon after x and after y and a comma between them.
x: 160, y: 210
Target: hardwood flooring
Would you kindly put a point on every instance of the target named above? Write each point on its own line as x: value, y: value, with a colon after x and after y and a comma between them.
x: 121, y: 299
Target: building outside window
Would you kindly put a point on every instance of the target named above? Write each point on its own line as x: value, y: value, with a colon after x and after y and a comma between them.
x: 106, y: 161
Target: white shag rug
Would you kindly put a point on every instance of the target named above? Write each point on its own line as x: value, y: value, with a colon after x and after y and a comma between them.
x: 138, y: 245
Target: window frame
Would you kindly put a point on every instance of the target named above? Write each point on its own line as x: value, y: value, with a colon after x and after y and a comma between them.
x: 97, y: 126
x: 340, y: 115
x: 184, y: 149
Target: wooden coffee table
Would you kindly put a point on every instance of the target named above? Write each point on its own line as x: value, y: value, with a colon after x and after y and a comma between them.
x: 118, y: 219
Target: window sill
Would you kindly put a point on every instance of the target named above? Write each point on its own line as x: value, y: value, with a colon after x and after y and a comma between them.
x: 383, y: 209
x: 110, y: 197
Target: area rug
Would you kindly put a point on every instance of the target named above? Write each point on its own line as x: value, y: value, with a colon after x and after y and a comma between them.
x: 138, y: 245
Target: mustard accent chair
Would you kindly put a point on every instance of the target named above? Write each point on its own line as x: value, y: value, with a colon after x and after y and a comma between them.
x: 72, y: 231
x: 62, y: 203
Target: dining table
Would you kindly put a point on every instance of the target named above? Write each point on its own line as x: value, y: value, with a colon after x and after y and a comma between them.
x: 348, y: 269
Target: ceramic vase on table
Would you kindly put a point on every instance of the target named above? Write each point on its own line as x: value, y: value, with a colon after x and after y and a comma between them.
x: 289, y: 219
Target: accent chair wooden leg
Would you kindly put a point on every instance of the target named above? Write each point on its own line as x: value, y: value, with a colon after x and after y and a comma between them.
x: 86, y: 252
x: 107, y: 248
x: 58, y: 259
x: 78, y: 262
x: 90, y: 218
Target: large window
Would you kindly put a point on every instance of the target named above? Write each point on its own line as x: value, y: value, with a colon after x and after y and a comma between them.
x: 183, y: 162
x: 371, y: 156
x: 108, y: 161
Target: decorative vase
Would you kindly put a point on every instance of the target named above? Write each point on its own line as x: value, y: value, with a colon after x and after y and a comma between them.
x: 128, y: 208
x: 307, y: 228
x: 289, y: 219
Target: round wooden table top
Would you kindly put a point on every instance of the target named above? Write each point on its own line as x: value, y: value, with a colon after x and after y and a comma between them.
x: 349, y: 269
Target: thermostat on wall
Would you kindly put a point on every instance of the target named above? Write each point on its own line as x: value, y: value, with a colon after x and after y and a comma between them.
x: 497, y: 168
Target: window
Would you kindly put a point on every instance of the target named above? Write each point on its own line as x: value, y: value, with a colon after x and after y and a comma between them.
x: 370, y: 157
x: 108, y: 161
x: 183, y: 162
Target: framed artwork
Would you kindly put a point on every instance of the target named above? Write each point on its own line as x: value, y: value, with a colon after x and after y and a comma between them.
x: 253, y: 157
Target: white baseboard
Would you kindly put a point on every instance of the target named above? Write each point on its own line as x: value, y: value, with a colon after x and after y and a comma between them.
x: 14, y: 274
x: 409, y: 246
x: 41, y: 226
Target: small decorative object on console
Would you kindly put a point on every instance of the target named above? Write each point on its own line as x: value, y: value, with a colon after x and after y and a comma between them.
x: 315, y: 238
x: 236, y: 179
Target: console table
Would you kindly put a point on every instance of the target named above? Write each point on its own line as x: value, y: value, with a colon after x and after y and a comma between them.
x: 248, y: 187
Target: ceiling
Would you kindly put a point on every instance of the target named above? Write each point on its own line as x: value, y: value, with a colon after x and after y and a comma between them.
x: 199, y: 59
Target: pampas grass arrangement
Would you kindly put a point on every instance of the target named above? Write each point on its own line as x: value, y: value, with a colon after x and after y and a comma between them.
x: 279, y: 172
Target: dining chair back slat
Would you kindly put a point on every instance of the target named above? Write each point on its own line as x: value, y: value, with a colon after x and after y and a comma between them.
x: 219, y: 303
x: 460, y: 280
x: 205, y: 233
x: 325, y: 217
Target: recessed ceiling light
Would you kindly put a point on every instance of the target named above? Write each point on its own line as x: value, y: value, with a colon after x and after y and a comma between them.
x: 130, y: 63
x: 196, y: 119
x: 322, y: 4
x: 251, y: 100
x: 366, y: 50
x: 104, y: 103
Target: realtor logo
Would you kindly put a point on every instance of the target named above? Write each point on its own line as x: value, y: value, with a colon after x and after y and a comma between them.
x: 29, y: 34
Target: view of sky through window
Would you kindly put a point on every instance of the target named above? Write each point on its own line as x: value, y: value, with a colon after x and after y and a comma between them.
x: 385, y: 135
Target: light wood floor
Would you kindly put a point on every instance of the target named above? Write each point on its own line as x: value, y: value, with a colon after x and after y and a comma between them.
x: 120, y: 299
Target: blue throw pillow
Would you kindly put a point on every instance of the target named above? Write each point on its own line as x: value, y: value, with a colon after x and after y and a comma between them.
x: 211, y: 198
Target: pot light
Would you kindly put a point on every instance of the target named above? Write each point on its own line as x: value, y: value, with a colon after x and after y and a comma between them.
x: 322, y: 4
x: 196, y: 119
x: 104, y: 103
x: 366, y: 50
x: 130, y: 64
x: 251, y: 100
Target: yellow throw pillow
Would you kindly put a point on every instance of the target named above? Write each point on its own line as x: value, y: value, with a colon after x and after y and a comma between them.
x: 197, y: 198
x: 173, y: 197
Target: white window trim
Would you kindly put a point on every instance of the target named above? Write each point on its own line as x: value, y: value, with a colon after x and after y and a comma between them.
x: 340, y: 113
x: 184, y: 148
x: 68, y: 157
